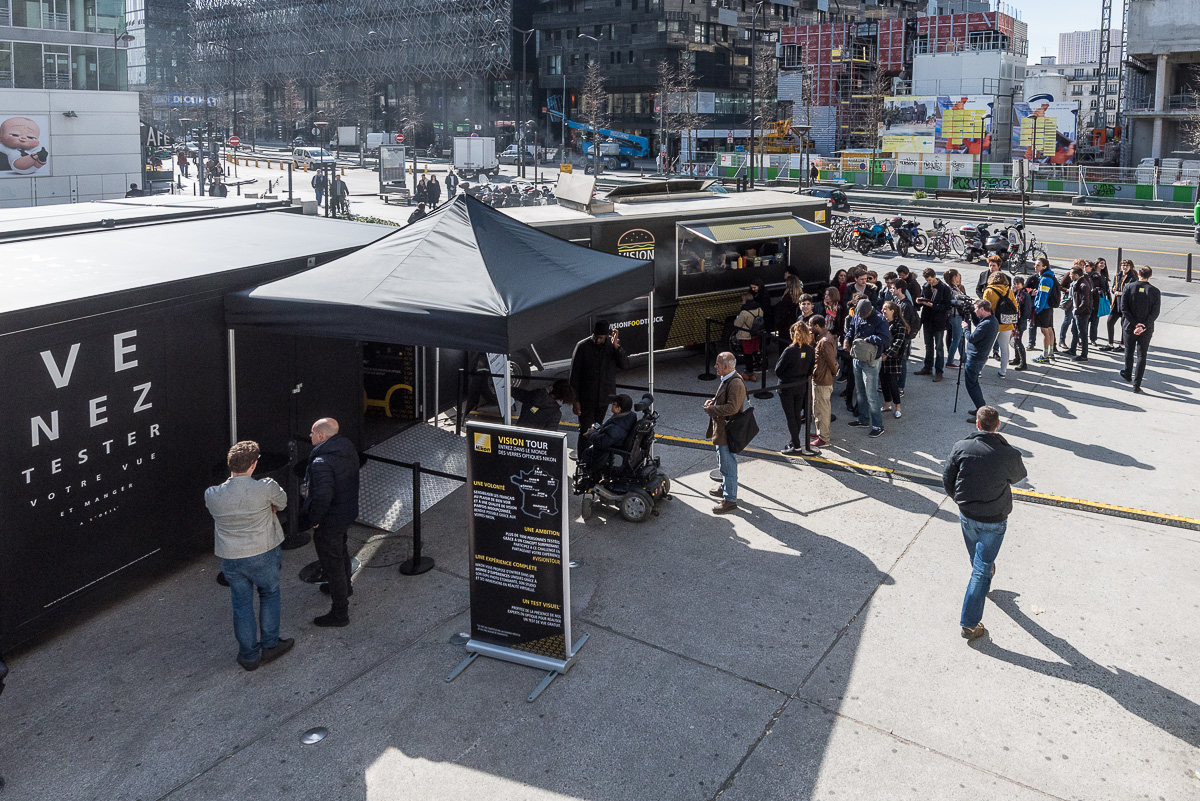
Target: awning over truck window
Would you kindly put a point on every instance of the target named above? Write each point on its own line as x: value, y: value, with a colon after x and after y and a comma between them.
x: 728, y: 231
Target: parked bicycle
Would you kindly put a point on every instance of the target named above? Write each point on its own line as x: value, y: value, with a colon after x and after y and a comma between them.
x: 940, y: 240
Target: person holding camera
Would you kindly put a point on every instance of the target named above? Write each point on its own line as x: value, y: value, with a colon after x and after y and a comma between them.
x: 979, y: 345
x: 594, y: 366
x: 935, y: 314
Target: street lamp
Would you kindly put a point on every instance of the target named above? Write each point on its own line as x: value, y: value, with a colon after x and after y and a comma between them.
x: 595, y: 131
x: 232, y: 80
x: 982, y: 131
x: 753, y: 62
x: 525, y: 34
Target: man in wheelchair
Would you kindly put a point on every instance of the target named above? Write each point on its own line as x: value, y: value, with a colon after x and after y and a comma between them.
x: 616, y: 466
x: 614, y: 433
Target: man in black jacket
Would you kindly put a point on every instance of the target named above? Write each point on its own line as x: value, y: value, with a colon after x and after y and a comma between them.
x: 979, y: 477
x: 1081, y: 300
x: 911, y: 285
x: 329, y: 508
x: 935, y: 315
x: 1139, y: 309
x: 594, y: 367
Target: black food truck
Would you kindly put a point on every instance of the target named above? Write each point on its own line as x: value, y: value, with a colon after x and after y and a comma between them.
x: 706, y: 245
x: 116, y: 361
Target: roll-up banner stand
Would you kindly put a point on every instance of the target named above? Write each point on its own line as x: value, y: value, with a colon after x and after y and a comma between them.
x: 520, y: 549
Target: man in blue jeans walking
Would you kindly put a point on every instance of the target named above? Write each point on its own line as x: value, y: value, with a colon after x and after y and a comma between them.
x: 248, y: 535
x: 979, y: 476
x: 979, y: 345
x: 867, y: 328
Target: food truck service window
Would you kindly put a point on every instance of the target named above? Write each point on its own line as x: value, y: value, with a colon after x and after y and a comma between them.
x: 719, y: 255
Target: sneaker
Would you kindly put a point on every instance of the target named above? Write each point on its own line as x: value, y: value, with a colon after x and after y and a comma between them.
x: 975, y: 633
x: 789, y: 449
x: 952, y: 365
x: 924, y: 371
x: 1070, y: 353
x: 717, y: 492
x: 1126, y: 377
x: 1118, y: 349
x: 817, y: 442
x: 1105, y: 348
x: 249, y: 666
x: 1014, y: 361
x: 856, y: 424
x: 897, y: 414
x: 1138, y: 390
x: 1022, y: 366
x: 971, y: 417
x: 1079, y: 358
x: 875, y: 432
x: 281, y: 647
x: 902, y: 392
x: 938, y: 378
x: 1001, y: 373
x: 1042, y: 360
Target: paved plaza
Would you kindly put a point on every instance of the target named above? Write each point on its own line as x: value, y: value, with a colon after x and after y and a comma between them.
x: 806, y: 646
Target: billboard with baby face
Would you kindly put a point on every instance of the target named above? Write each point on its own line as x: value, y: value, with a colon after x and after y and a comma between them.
x: 23, y: 146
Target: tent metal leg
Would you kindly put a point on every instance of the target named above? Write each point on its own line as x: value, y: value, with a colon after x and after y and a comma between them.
x: 507, y: 391
x: 233, y: 432
x: 650, y: 350
x: 437, y: 384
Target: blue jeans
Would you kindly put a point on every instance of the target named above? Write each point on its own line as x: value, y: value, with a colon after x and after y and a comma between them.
x: 866, y: 387
x: 727, y: 464
x: 245, y: 575
x: 971, y: 372
x: 983, y: 544
x: 1068, y: 324
x: 954, y: 338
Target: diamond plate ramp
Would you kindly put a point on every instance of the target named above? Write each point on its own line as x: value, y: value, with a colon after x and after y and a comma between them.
x: 385, y: 490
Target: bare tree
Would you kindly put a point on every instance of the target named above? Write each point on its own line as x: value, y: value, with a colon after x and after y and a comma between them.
x: 593, y: 104
x: 766, y: 85
x: 336, y: 102
x: 253, y: 112
x: 291, y: 113
x: 1191, y: 123
x: 667, y: 90
x: 688, y: 118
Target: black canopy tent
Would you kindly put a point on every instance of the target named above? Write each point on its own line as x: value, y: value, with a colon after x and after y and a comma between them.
x: 466, y: 277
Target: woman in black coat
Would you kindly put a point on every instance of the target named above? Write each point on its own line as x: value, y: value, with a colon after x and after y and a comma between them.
x: 795, y: 366
x: 893, y: 357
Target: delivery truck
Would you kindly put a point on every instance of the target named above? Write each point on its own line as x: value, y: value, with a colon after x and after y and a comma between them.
x: 475, y: 156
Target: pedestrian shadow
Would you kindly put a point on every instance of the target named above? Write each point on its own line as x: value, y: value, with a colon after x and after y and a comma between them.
x: 1152, y: 702
x: 1084, y: 450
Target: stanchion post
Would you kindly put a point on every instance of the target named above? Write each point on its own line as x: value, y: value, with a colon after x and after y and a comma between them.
x: 763, y: 393
x: 1189, y: 269
x: 1119, y: 251
x: 458, y: 406
x: 807, y: 449
x: 708, y: 374
x: 417, y: 564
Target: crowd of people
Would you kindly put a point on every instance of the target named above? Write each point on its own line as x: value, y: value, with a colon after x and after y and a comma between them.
x: 862, y: 330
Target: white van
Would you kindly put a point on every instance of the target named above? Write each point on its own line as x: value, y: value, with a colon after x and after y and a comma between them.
x: 310, y: 157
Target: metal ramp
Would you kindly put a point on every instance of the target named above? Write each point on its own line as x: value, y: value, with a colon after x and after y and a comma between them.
x: 385, y: 490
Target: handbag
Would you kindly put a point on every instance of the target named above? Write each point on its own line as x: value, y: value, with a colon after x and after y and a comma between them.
x: 740, y: 429
x: 1105, y: 306
x: 864, y: 351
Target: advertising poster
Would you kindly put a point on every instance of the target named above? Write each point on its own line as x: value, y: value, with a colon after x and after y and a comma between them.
x: 1044, y: 132
x: 909, y: 125
x: 84, y: 462
x: 942, y: 125
x: 24, y: 143
x: 518, y: 533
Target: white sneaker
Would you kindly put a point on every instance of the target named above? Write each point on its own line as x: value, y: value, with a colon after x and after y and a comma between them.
x: 897, y: 415
x: 1001, y: 373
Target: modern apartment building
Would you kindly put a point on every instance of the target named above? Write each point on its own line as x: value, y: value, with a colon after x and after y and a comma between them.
x: 1083, y: 47
x: 63, y: 44
x: 1163, y: 47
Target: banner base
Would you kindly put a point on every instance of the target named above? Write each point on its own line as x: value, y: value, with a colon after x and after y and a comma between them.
x: 553, y: 667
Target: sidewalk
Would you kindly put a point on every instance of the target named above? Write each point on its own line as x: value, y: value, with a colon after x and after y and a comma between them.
x: 805, y: 647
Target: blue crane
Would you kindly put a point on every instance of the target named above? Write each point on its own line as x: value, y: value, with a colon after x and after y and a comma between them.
x: 628, y: 146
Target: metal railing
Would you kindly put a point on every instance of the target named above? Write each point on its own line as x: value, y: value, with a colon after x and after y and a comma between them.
x: 56, y: 82
x: 1176, y: 102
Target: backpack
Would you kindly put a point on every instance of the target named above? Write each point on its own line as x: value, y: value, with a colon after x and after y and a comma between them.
x: 1055, y: 299
x: 1007, y: 311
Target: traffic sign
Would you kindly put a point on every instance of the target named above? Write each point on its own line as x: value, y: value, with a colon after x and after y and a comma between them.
x: 234, y: 141
x: 474, y: 136
x: 399, y: 138
x: 316, y: 131
x: 729, y: 137
x: 862, y: 165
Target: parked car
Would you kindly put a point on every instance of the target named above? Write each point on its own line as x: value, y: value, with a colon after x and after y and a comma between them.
x: 835, y: 199
x: 299, y: 142
x: 308, y: 157
x: 512, y: 155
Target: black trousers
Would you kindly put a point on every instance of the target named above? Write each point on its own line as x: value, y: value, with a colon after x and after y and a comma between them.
x: 890, y: 383
x: 1094, y: 325
x: 794, y: 404
x: 1141, y: 344
x: 591, y: 411
x: 1114, y: 320
x: 331, y: 548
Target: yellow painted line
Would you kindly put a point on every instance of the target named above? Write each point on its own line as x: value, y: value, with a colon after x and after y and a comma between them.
x: 1108, y: 506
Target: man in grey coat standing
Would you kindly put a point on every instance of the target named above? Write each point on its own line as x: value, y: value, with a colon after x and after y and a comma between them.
x: 248, y: 535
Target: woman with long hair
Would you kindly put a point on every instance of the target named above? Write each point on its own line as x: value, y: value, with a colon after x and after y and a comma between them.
x: 893, y: 357
x: 1127, y: 275
x: 835, y: 313
x: 825, y: 369
x: 787, y: 311
x: 954, y: 334
x: 793, y: 370
x: 998, y: 291
x: 841, y: 279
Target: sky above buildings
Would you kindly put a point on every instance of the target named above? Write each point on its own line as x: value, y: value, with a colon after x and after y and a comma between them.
x: 1048, y: 18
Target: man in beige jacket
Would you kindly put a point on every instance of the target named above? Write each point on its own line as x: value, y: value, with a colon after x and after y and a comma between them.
x: 729, y: 400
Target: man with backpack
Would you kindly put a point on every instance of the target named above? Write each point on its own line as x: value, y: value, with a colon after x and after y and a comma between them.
x: 1044, y: 303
